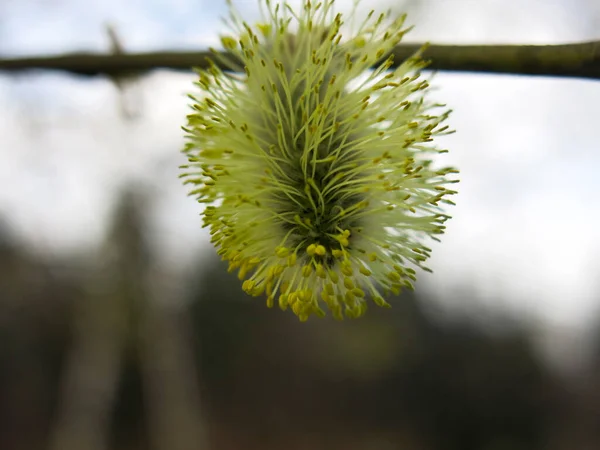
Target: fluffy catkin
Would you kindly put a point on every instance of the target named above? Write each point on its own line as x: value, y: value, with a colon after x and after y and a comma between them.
x: 314, y: 159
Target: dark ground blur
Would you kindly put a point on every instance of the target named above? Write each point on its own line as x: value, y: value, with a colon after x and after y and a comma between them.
x: 112, y: 352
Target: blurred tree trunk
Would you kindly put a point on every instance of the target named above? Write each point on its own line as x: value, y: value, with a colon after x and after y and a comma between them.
x: 169, y: 373
x: 91, y: 377
x: 132, y: 307
x: 102, y: 332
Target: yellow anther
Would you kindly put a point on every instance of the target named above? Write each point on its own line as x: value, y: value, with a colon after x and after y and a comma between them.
x: 248, y: 285
x: 229, y: 42
x: 270, y: 301
x: 321, y: 271
x: 349, y: 297
x: 379, y: 301
x: 329, y: 288
x: 282, y: 252
x: 333, y: 276
x: 343, y: 241
x: 297, y: 308
x: 366, y: 272
x: 348, y: 283
x: 394, y: 276
x: 320, y: 250
x: 265, y: 29
x: 306, y: 271
x: 292, y: 260
x: 311, y: 249
x: 243, y: 271
x: 358, y: 292
x: 257, y: 291
x: 306, y: 296
x: 337, y: 253
x: 347, y: 268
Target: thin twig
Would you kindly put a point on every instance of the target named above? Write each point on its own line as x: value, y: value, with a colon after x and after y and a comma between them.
x: 580, y: 60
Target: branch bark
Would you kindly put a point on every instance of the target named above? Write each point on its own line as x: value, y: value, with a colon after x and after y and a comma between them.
x: 581, y: 60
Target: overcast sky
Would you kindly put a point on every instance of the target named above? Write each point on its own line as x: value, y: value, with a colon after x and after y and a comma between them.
x: 525, y: 227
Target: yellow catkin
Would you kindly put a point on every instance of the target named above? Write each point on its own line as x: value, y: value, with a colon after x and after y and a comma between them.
x: 315, y: 163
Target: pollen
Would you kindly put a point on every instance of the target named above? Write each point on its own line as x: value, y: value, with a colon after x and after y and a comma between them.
x: 315, y: 159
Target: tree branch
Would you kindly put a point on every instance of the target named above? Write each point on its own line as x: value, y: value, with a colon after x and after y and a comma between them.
x: 580, y: 60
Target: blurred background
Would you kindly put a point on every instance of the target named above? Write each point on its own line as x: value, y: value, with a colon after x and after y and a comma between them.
x: 121, y: 329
